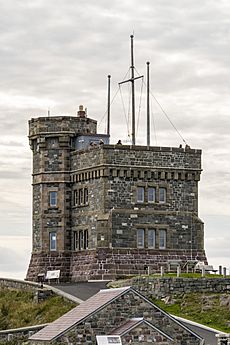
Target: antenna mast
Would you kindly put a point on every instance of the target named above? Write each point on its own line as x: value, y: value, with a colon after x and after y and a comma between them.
x: 133, y: 94
x: 148, y: 107
x: 132, y: 80
x: 108, y: 109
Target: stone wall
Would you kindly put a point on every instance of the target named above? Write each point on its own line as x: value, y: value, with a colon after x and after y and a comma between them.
x: 54, y: 124
x: 21, y: 334
x: 105, y: 263
x: 42, y: 262
x: 18, y: 284
x: 162, y: 287
x: 155, y: 156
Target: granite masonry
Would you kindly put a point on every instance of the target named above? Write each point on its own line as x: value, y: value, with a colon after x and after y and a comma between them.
x: 102, y: 211
x: 118, y: 314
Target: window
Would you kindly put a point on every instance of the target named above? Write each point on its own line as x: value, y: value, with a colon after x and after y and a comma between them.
x: 52, y: 143
x: 151, y: 194
x: 151, y: 238
x: 140, y: 238
x: 86, y: 239
x: 75, y: 239
x: 53, y: 241
x: 162, y: 195
x: 81, y: 240
x: 75, y: 196
x: 140, y: 194
x: 162, y: 239
x: 86, y: 196
x: 53, y: 199
x: 81, y: 197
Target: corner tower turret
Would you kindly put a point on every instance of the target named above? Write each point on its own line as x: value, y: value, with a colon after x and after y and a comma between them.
x: 51, y: 140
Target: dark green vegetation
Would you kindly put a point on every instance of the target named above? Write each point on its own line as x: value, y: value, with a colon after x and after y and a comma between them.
x: 211, y: 309
x: 19, y: 309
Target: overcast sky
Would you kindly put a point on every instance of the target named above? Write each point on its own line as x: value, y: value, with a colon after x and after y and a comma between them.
x: 57, y: 54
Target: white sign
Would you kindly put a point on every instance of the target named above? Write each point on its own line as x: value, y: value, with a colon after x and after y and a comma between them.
x: 108, y: 339
x: 53, y: 274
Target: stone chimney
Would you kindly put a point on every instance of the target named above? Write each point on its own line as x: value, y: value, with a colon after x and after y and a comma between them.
x: 81, y: 112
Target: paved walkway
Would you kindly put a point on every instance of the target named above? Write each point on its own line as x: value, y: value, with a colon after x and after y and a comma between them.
x: 82, y: 290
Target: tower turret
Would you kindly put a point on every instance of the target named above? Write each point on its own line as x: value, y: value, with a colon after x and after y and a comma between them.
x: 52, y: 139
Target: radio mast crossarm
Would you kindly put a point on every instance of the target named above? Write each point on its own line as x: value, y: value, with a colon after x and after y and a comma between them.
x: 132, y: 80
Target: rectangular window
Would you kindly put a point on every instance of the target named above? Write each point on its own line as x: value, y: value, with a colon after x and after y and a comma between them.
x: 140, y: 194
x: 151, y: 194
x: 86, y: 239
x: 81, y: 240
x: 162, y: 239
x: 53, y: 199
x: 75, y: 196
x: 86, y: 196
x: 52, y: 143
x: 53, y: 241
x: 81, y: 196
x: 162, y: 195
x: 140, y: 238
x: 151, y: 238
x: 75, y: 239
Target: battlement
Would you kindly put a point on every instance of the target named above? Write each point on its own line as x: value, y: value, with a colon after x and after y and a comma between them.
x: 54, y: 125
x: 125, y: 156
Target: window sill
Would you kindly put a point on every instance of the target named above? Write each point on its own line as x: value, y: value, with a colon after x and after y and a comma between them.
x: 79, y: 206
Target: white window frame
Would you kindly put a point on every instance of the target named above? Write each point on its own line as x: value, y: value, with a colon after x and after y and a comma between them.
x: 142, y: 194
x: 86, y: 196
x: 75, y: 197
x: 152, y: 239
x: 162, y: 200
x: 154, y: 194
x: 81, y: 196
x: 76, y: 240
x: 53, y: 240
x: 86, y: 239
x: 140, y: 238
x: 53, y: 196
x: 162, y: 238
x: 81, y: 240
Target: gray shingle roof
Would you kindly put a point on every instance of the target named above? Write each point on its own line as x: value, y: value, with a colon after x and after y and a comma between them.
x: 78, y: 314
x: 130, y: 324
x: 133, y: 323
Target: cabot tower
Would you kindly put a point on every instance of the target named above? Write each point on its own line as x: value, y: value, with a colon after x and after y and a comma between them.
x: 102, y: 211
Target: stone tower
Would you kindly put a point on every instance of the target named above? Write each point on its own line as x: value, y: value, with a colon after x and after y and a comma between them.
x: 102, y: 211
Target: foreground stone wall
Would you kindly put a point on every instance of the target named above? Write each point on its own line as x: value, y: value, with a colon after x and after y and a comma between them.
x: 21, y: 334
x: 162, y: 287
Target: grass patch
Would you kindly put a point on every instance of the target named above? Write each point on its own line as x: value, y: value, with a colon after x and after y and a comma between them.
x: 209, y: 309
x: 19, y: 309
